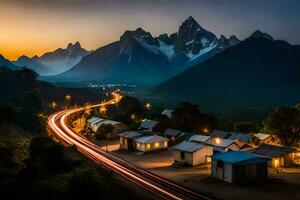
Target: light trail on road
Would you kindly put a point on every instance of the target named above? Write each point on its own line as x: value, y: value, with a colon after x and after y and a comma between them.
x: 58, y: 126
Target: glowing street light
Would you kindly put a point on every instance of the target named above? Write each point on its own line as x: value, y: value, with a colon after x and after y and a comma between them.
x: 205, y: 130
x: 53, y: 104
x: 148, y: 106
x: 68, y: 97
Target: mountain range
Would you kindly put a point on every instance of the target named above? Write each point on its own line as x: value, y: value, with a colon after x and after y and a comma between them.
x: 141, y: 58
x: 258, y: 72
x: 6, y: 63
x: 54, y: 62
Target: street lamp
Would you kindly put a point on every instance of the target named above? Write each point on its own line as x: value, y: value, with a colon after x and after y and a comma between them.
x: 68, y: 97
x: 53, y: 105
x: 148, y: 106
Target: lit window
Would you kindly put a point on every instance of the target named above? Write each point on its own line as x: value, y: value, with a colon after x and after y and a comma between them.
x: 148, y: 146
x: 138, y: 145
x: 156, y: 144
x: 165, y: 143
x: 217, y: 140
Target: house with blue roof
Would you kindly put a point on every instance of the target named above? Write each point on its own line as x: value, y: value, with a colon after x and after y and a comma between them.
x: 239, y: 167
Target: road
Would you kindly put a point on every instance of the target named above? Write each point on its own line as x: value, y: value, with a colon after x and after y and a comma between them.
x: 58, y: 126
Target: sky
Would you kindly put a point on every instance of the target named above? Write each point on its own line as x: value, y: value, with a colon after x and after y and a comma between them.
x: 33, y: 27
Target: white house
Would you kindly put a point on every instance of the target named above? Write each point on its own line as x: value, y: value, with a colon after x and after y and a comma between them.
x: 223, y: 145
x: 192, y: 153
x: 151, y: 143
x: 94, y: 123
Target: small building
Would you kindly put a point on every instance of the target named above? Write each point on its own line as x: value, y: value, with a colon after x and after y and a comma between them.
x: 127, y: 140
x: 199, y: 138
x: 151, y: 143
x: 168, y: 113
x: 220, y: 134
x: 192, y: 153
x: 94, y: 123
x: 91, y: 120
x: 239, y: 167
x: 172, y: 133
x: 280, y: 156
x: 148, y: 125
x: 223, y: 145
x: 243, y: 137
x: 264, y: 138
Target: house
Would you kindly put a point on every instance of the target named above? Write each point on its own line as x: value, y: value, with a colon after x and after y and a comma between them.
x: 264, y: 138
x: 199, y: 138
x: 280, y: 156
x: 220, y: 134
x: 148, y: 125
x: 167, y: 112
x: 91, y: 120
x: 239, y: 167
x: 127, y: 140
x: 151, y: 143
x: 243, y: 137
x: 192, y: 153
x: 222, y: 145
x: 94, y: 123
x: 172, y: 133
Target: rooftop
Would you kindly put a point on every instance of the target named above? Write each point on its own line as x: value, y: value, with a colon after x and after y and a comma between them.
x: 272, y: 151
x: 167, y: 112
x: 151, y: 139
x: 188, y: 146
x: 130, y: 134
x: 220, y: 134
x: 199, y: 138
x: 243, y: 137
x: 172, y: 132
x: 262, y: 136
x: 239, y: 157
x: 148, y: 124
x: 220, y: 142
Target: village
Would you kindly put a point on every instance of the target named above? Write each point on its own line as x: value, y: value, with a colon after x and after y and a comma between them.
x: 208, y: 161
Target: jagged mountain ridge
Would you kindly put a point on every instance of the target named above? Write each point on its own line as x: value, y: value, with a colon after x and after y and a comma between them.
x: 258, y: 72
x: 54, y: 62
x: 6, y: 63
x: 141, y: 58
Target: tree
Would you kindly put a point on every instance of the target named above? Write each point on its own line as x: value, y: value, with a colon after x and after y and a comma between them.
x: 188, y: 117
x: 285, y: 124
x: 245, y: 126
x: 104, y: 131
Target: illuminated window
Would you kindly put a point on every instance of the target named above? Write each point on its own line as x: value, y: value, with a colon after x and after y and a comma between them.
x: 138, y: 145
x: 217, y: 140
x: 165, y: 143
x: 148, y: 146
x: 156, y: 145
x: 208, y: 159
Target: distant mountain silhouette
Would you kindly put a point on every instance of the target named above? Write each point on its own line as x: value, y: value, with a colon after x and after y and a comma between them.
x: 54, y: 62
x: 6, y: 63
x: 255, y: 73
x: 141, y: 58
